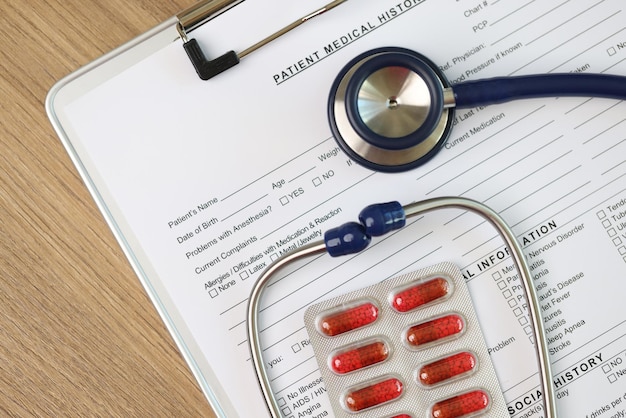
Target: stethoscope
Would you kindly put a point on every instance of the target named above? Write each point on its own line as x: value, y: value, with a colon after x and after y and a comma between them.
x: 391, y: 110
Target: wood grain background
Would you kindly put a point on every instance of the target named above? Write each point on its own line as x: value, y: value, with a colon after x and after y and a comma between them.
x: 78, y: 334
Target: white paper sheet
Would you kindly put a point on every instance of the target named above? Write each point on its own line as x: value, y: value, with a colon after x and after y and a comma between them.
x: 211, y: 181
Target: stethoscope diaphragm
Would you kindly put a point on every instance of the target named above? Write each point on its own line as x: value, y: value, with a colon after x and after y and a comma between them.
x: 387, y: 109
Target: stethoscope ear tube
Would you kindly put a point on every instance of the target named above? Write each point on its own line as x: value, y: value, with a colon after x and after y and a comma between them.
x: 386, y: 218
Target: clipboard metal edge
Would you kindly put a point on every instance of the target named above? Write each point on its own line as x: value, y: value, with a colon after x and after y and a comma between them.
x: 202, y: 12
x: 205, y: 11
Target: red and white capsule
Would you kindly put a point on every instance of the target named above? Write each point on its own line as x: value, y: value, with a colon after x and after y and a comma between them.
x: 358, y: 357
x: 463, y: 405
x: 347, y: 318
x: 373, y: 395
x: 435, y: 331
x: 452, y: 367
x: 420, y: 294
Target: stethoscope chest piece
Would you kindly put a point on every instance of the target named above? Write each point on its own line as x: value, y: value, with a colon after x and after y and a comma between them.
x: 387, y: 109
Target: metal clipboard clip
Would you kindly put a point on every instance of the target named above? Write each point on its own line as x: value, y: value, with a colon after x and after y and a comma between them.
x: 204, y: 11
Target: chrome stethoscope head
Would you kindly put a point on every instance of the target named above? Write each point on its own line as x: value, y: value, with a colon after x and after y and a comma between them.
x: 390, y: 110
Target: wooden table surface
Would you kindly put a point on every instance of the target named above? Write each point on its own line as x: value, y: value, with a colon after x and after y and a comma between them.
x: 78, y: 334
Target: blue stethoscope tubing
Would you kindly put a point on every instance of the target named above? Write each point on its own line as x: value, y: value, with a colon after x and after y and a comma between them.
x: 352, y: 237
x: 349, y: 103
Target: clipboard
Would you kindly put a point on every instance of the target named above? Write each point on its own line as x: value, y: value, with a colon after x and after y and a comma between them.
x: 200, y: 204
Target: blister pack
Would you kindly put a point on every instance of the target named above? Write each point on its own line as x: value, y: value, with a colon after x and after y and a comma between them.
x: 407, y: 347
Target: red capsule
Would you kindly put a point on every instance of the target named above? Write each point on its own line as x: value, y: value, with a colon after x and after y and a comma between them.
x: 435, y: 330
x: 420, y: 294
x: 446, y: 368
x: 374, y: 395
x: 402, y: 416
x: 359, y: 357
x: 461, y: 405
x: 348, y: 319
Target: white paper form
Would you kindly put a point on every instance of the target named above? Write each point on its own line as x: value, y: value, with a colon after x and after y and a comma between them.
x: 211, y: 181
